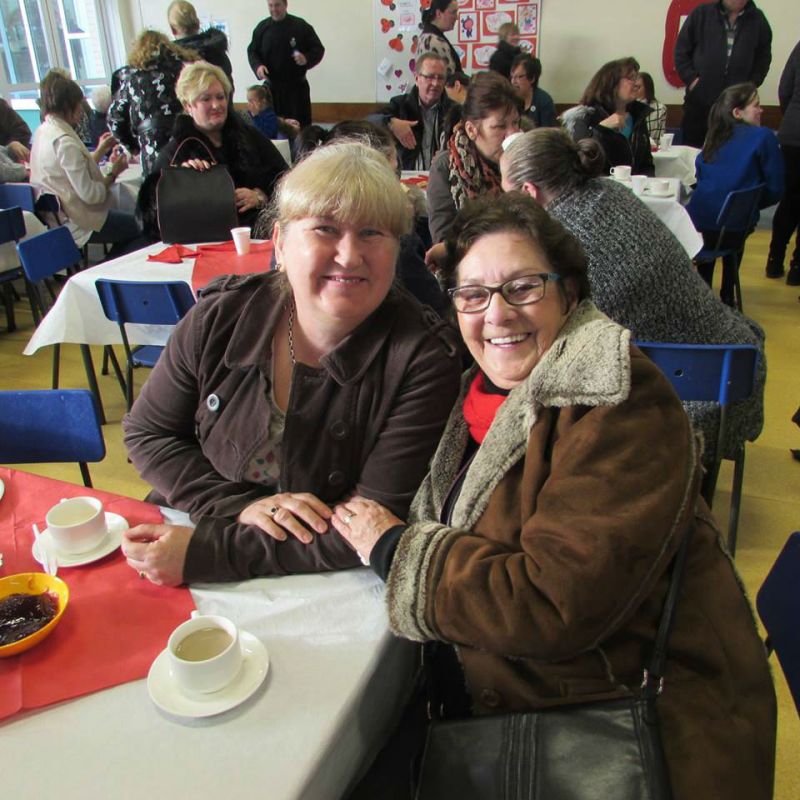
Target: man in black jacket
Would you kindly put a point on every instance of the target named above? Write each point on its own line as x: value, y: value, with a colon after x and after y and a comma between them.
x: 283, y: 49
x: 417, y: 119
x: 720, y: 44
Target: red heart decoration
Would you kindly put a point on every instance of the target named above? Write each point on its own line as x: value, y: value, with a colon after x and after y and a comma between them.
x: 397, y: 43
x: 398, y: 73
x: 389, y: 3
x: 388, y: 88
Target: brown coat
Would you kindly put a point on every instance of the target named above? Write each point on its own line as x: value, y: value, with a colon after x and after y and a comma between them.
x: 368, y: 421
x: 551, y: 574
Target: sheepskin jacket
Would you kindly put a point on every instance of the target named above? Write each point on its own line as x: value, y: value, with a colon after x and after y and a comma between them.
x: 549, y: 574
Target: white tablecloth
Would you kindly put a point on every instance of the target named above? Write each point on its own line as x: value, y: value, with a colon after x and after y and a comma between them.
x: 9, y: 259
x: 336, y: 684
x: 677, y: 162
x: 284, y: 148
x: 125, y: 189
x: 78, y: 317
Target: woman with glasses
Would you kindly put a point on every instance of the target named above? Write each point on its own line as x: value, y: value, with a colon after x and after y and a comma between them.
x: 539, y: 548
x: 639, y: 273
x: 610, y: 114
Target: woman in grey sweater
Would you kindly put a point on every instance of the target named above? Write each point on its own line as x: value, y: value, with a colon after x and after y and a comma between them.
x: 787, y: 216
x: 640, y: 275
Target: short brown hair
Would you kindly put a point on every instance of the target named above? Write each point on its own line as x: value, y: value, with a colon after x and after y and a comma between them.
x: 59, y: 93
x: 488, y: 92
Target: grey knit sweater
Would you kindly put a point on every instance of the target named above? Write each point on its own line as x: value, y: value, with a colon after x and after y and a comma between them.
x: 642, y: 278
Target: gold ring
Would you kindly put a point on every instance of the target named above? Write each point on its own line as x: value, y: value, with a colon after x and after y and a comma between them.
x: 142, y: 576
x: 272, y: 511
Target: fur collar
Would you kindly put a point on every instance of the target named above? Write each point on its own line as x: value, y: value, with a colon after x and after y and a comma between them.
x: 587, y: 365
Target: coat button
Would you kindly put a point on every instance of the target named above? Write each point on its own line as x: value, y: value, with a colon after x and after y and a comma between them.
x: 212, y: 402
x: 490, y: 698
x: 336, y: 477
x: 338, y: 430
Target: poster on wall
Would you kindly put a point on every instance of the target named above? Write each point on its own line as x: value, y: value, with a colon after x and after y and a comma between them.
x: 397, y: 25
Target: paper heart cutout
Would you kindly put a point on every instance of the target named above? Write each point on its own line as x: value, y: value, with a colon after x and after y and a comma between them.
x: 386, y: 24
x: 398, y: 73
x: 397, y: 43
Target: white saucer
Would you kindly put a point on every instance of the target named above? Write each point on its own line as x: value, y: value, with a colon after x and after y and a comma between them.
x: 2, y: 488
x: 620, y: 180
x: 168, y: 696
x: 113, y: 539
x: 656, y: 193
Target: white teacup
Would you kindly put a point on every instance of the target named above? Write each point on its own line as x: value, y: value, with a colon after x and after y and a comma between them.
x: 77, y: 525
x: 638, y: 182
x: 241, y: 240
x: 665, y: 142
x: 659, y: 185
x: 205, y: 654
x: 621, y: 173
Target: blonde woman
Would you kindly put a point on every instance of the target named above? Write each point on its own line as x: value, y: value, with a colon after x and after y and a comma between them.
x: 282, y: 393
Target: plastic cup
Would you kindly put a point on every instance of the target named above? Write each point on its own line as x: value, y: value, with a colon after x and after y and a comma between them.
x: 666, y: 141
x: 241, y: 239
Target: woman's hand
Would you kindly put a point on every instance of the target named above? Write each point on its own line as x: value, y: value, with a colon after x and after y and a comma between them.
x: 284, y: 513
x: 201, y: 165
x: 247, y: 199
x: 19, y: 152
x: 292, y: 124
x: 436, y: 256
x: 119, y: 161
x: 104, y: 144
x: 362, y: 522
x: 158, y: 552
x: 615, y: 121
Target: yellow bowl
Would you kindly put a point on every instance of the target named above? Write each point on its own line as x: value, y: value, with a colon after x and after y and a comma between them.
x: 33, y: 583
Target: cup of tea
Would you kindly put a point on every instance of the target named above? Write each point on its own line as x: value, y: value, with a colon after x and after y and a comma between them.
x: 659, y: 185
x: 205, y: 654
x: 241, y: 240
x: 77, y: 525
x: 638, y: 182
x: 665, y: 142
x: 621, y: 173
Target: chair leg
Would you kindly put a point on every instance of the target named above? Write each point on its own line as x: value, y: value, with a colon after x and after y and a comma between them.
x: 56, y: 364
x: 87, y: 478
x: 736, y: 499
x: 737, y: 286
x: 91, y: 377
x: 8, y: 302
x: 110, y: 355
x: 129, y: 379
x: 104, y: 367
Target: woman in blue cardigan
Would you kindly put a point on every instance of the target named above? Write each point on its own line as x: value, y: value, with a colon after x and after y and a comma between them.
x: 737, y: 154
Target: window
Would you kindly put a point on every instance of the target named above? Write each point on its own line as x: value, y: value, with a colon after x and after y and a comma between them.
x: 37, y: 35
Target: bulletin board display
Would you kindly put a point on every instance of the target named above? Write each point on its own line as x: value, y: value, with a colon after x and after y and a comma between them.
x: 398, y: 24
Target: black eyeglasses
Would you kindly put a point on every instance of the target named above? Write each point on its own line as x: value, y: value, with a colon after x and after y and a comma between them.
x: 433, y: 78
x: 521, y: 291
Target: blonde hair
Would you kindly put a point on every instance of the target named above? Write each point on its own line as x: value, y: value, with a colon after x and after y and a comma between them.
x: 148, y: 47
x: 196, y: 78
x: 348, y: 182
x: 182, y: 17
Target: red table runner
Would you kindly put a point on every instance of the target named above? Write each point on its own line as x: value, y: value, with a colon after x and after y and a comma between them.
x: 115, y: 623
x: 214, y: 260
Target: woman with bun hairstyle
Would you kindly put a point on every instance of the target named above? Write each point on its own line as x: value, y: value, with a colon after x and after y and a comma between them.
x: 639, y: 273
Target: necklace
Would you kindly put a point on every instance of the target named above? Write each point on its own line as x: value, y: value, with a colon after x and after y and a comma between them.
x: 291, y: 333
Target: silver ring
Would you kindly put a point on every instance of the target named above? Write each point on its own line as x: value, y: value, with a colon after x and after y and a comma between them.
x: 347, y: 519
x: 272, y: 511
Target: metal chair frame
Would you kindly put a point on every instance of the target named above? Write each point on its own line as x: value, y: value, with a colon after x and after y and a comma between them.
x: 51, y: 425
x: 720, y: 373
x: 12, y: 229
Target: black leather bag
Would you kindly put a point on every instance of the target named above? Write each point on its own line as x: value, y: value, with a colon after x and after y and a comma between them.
x: 594, y: 751
x: 195, y: 206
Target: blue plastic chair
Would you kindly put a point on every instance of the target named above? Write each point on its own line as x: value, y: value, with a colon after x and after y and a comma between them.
x: 58, y: 425
x: 156, y: 303
x: 778, y: 604
x: 17, y: 194
x: 42, y: 256
x: 735, y: 221
x: 12, y: 229
x: 719, y: 373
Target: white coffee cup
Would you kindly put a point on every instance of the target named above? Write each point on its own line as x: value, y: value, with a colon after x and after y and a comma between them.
x: 665, y: 142
x: 205, y: 653
x: 621, y: 173
x: 241, y: 239
x: 638, y: 182
x: 659, y: 185
x: 77, y: 525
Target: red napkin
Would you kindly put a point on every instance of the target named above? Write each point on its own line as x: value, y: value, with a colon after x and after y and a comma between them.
x: 173, y: 254
x: 214, y: 260
x: 115, y: 623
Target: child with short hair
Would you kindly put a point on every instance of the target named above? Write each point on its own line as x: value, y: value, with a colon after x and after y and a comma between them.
x: 262, y: 114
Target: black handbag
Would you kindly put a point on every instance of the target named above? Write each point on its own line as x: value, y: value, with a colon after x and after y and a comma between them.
x: 592, y: 751
x: 194, y: 206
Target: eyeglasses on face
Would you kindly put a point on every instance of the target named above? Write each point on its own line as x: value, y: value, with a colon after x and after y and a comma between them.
x: 521, y: 291
x: 432, y: 78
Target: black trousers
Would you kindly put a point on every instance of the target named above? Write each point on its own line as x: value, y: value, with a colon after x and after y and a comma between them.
x: 695, y: 122
x: 292, y: 100
x: 706, y: 268
x: 787, y: 216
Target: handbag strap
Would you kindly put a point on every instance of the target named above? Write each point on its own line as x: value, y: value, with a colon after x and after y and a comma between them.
x: 653, y: 682
x: 192, y: 139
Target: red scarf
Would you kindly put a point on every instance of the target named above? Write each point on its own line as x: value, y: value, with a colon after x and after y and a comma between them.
x: 480, y: 408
